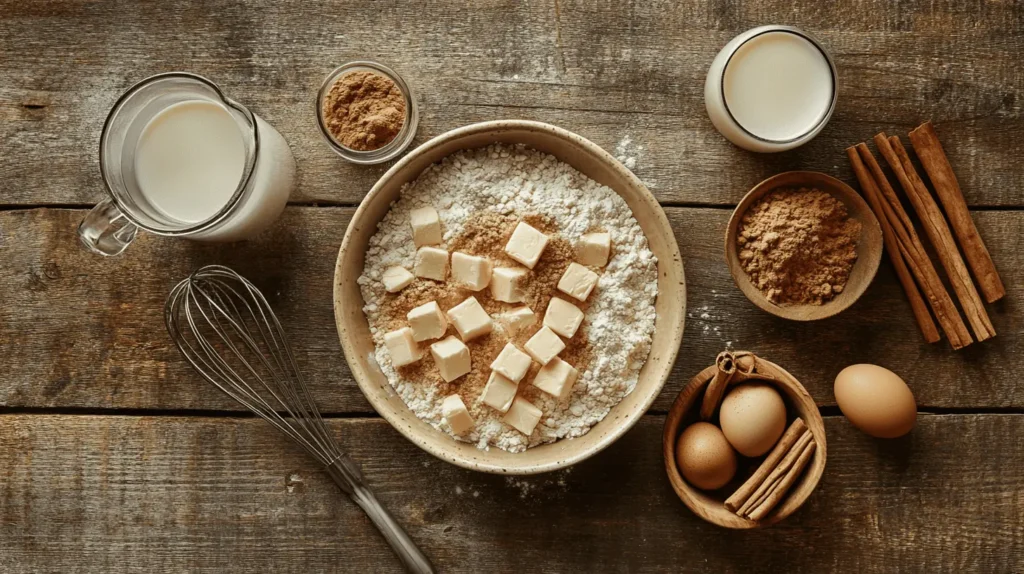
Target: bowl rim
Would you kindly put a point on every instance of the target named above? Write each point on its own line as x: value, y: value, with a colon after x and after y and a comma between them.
x: 797, y: 394
x: 675, y: 329
x: 871, y: 234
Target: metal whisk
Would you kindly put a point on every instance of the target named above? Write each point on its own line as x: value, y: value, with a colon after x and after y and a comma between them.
x: 226, y: 329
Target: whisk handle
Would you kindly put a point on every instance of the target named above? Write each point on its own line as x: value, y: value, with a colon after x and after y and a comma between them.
x: 411, y: 556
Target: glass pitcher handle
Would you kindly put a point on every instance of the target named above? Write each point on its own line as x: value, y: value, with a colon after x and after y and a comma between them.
x: 105, y: 230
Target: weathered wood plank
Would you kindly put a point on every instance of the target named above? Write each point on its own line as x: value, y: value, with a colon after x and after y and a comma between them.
x: 167, y: 494
x: 604, y: 70
x: 78, y: 330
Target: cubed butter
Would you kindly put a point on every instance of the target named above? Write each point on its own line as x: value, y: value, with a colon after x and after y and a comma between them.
x: 426, y: 226
x: 515, y: 320
x: 556, y: 378
x: 396, y: 278
x: 431, y: 263
x: 470, y: 319
x: 577, y: 281
x: 427, y: 322
x: 563, y: 317
x: 402, y: 347
x: 508, y: 284
x: 544, y: 345
x: 457, y: 415
x: 499, y: 392
x: 594, y: 248
x: 512, y: 363
x: 522, y: 416
x: 526, y: 244
x: 470, y: 271
x: 451, y: 357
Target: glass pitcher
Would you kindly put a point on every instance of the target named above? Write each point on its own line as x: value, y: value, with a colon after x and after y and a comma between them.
x: 262, y: 190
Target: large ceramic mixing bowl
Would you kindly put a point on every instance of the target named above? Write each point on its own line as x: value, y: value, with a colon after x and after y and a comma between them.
x: 597, y: 164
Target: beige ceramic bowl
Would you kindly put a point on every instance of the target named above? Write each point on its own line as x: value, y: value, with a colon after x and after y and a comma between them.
x: 597, y: 164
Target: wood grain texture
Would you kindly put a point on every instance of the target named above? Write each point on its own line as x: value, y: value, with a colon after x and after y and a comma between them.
x: 79, y: 330
x: 606, y: 70
x: 168, y: 494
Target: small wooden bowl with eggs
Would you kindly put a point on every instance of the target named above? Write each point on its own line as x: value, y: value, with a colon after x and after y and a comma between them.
x: 761, y: 400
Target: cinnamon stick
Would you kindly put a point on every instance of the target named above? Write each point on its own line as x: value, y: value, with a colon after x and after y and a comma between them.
x: 716, y: 389
x: 746, y: 365
x: 938, y: 233
x: 940, y: 172
x: 789, y: 438
x: 776, y: 474
x: 917, y: 304
x: 784, y: 485
x: 916, y: 256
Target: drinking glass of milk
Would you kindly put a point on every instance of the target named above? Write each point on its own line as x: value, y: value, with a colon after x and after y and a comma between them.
x: 181, y: 159
x: 771, y: 89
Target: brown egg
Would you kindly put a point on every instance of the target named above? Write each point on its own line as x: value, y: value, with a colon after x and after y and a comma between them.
x: 705, y: 457
x: 876, y: 400
x: 753, y: 417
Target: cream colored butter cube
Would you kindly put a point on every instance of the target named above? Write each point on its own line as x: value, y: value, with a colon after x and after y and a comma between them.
x: 563, y: 317
x: 577, y: 281
x: 426, y: 226
x: 593, y: 249
x: 402, y: 347
x: 451, y: 357
x: 470, y: 271
x: 556, y: 378
x: 512, y: 363
x: 499, y: 392
x: 508, y: 284
x: 457, y: 415
x: 526, y: 244
x: 515, y: 320
x: 431, y: 263
x: 522, y: 416
x: 427, y: 322
x: 544, y: 345
x: 470, y: 319
x: 396, y: 278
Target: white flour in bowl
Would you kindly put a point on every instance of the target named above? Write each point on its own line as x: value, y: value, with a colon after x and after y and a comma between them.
x: 514, y: 182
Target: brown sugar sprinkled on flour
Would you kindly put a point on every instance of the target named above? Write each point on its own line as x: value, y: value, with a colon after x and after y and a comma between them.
x: 485, y: 234
x: 798, y: 246
x: 364, y: 111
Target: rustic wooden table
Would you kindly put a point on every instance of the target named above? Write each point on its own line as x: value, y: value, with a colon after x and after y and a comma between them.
x: 114, y: 457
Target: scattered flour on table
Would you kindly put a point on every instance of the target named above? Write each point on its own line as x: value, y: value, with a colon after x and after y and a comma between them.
x: 619, y: 320
x: 707, y: 319
x: 628, y: 152
x: 549, y: 483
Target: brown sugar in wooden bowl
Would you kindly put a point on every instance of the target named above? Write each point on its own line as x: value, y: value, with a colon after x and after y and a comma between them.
x: 710, y: 505
x: 869, y: 245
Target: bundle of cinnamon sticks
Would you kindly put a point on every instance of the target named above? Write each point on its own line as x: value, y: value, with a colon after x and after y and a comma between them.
x: 913, y: 266
x: 777, y: 473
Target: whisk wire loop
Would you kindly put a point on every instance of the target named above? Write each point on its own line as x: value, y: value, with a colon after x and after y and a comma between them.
x: 226, y: 329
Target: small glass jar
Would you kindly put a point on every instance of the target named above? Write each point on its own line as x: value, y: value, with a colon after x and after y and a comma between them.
x: 787, y: 79
x: 393, y: 148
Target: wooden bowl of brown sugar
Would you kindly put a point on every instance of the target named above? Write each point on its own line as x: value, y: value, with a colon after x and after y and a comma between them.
x: 803, y: 245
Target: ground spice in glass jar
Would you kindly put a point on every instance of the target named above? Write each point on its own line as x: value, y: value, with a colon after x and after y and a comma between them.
x: 364, y: 111
x: 798, y: 246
